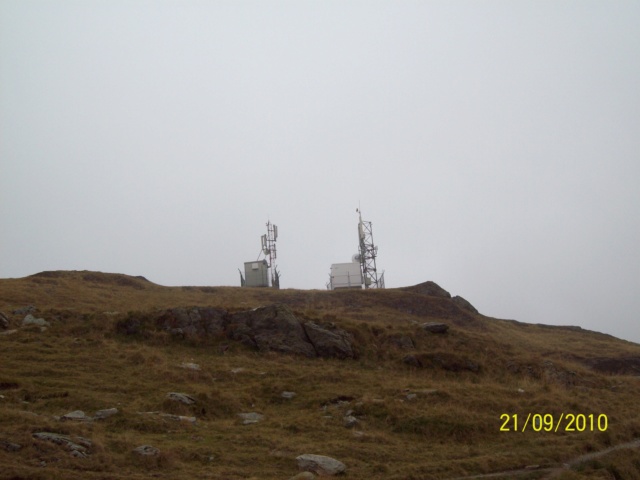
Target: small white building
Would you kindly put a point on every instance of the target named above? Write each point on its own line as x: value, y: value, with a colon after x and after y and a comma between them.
x: 345, y: 275
x: 256, y: 273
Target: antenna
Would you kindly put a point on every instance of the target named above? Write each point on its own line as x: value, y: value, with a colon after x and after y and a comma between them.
x: 368, y: 253
x: 269, y: 249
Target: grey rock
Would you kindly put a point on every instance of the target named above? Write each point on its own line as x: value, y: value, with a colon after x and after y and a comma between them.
x: 350, y: 421
x: 102, y: 414
x: 178, y: 418
x: 31, y: 320
x: 79, y: 444
x: 24, y: 310
x: 4, y: 321
x: 10, y: 446
x: 412, y: 396
x: 270, y: 328
x: 462, y: 303
x: 181, y: 397
x: 76, y: 415
x: 288, y: 395
x: 320, y: 464
x: 329, y: 342
x: 147, y: 451
x: 250, y: 418
x: 435, y: 327
x: 190, y: 366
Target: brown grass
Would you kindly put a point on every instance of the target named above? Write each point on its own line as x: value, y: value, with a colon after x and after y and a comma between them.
x: 450, y: 429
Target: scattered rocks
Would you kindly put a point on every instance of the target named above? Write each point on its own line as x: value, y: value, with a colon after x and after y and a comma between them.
x: 4, y: 321
x: 435, y: 327
x: 181, y: 397
x: 102, y: 414
x: 31, y: 320
x: 147, y: 451
x: 250, y: 418
x: 320, y: 464
x: 464, y: 304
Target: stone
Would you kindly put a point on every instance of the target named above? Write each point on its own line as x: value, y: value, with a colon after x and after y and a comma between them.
x: 190, y: 366
x: 329, y: 342
x: 250, y: 418
x: 271, y: 328
x: 320, y: 464
x: 303, y: 476
x: 179, y: 418
x: 8, y: 332
x: 31, y: 320
x: 350, y: 421
x: 24, y: 310
x: 79, y: 444
x: 4, y: 321
x: 147, y: 451
x: 464, y: 304
x: 288, y: 395
x: 76, y: 415
x: 102, y: 414
x: 411, y: 396
x: 10, y: 446
x: 181, y: 397
x: 435, y: 327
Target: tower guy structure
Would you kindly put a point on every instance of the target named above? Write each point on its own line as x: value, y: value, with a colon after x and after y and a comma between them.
x: 362, y: 271
x: 263, y: 273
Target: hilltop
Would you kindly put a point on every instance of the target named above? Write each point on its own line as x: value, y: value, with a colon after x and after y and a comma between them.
x: 397, y: 383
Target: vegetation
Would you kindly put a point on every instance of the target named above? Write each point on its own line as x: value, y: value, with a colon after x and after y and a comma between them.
x: 422, y: 413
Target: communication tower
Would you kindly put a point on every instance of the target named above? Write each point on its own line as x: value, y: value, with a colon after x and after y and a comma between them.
x: 367, y: 253
x: 256, y: 273
x: 269, y: 250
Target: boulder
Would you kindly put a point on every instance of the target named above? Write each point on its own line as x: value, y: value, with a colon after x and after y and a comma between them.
x: 250, y: 418
x: 77, y: 416
x: 464, y: 304
x: 24, y: 310
x: 10, y: 446
x: 4, y: 321
x: 79, y: 444
x: 329, y: 342
x: 181, y: 397
x: 320, y: 464
x: 271, y: 328
x: 102, y: 414
x: 31, y: 320
x: 435, y: 327
x: 147, y: 451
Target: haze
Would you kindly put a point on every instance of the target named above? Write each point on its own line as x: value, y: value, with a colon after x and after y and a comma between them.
x: 494, y: 145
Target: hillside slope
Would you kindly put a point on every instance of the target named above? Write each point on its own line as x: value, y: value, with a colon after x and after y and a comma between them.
x: 408, y: 403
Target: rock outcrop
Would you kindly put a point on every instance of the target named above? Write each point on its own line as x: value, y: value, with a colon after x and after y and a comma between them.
x: 271, y: 328
x: 464, y: 304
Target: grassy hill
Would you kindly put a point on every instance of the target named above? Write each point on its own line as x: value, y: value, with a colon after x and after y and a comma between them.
x: 426, y: 405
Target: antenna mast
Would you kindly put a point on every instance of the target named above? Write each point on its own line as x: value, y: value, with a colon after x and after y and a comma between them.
x: 269, y: 250
x: 367, y: 253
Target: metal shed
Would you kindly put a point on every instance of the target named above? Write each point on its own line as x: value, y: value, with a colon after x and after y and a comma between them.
x: 256, y: 273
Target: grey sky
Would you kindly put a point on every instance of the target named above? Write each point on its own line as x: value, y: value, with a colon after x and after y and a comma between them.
x: 493, y: 144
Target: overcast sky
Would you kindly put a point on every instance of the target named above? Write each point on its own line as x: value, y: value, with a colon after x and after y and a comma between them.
x: 494, y: 145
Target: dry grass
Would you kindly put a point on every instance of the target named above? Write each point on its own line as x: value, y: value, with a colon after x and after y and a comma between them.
x: 450, y: 429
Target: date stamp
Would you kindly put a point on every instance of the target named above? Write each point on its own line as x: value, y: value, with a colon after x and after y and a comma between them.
x: 546, y: 422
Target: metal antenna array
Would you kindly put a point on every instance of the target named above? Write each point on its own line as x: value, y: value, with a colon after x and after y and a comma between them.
x: 367, y: 253
x: 269, y: 250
